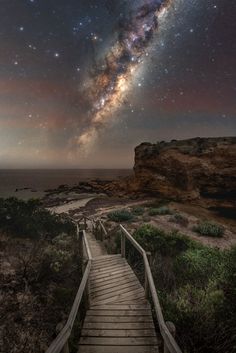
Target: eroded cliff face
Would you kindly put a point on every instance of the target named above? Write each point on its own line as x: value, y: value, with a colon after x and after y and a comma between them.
x: 189, y: 169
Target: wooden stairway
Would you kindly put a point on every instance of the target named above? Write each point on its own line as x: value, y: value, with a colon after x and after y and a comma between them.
x: 119, y: 319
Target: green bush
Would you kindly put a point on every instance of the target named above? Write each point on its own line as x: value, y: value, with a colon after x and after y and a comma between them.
x: 138, y: 211
x: 30, y: 219
x: 158, y: 241
x: 198, y: 266
x: 159, y: 211
x: 196, y: 286
x: 180, y: 219
x: 120, y: 216
x: 209, y: 229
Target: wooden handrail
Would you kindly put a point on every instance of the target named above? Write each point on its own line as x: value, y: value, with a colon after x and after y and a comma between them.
x: 170, y: 344
x: 62, y: 339
x: 89, y: 255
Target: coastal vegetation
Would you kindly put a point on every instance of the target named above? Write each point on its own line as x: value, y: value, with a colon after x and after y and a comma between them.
x: 120, y: 216
x: 40, y: 271
x: 210, y: 229
x: 163, y: 210
x: 30, y: 219
x: 196, y: 285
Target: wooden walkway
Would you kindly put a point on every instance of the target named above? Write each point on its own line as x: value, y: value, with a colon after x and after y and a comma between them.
x: 119, y: 319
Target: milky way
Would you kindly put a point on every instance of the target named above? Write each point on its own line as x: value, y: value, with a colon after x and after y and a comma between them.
x: 109, y: 86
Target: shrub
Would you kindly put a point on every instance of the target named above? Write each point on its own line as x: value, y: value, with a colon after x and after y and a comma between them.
x: 180, y: 219
x: 138, y: 211
x: 157, y: 240
x: 196, y: 286
x: 159, y: 211
x: 209, y: 229
x: 198, y: 266
x: 29, y: 219
x: 120, y: 216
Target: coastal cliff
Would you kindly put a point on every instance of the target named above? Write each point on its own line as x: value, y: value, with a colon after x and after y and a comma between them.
x: 188, y: 169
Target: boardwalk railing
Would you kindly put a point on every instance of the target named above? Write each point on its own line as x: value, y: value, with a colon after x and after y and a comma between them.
x: 60, y: 344
x: 167, y: 329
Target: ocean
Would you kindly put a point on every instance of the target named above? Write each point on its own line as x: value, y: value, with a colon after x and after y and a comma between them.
x: 27, y: 184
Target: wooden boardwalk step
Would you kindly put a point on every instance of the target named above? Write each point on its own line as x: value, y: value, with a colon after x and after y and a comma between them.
x: 119, y: 319
x: 118, y: 341
x: 118, y: 349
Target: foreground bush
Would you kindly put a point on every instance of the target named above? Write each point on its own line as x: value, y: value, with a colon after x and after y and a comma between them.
x: 160, y: 211
x: 179, y: 219
x: 30, y: 219
x: 157, y: 240
x: 138, y: 211
x: 120, y: 216
x: 209, y: 229
x: 197, y: 286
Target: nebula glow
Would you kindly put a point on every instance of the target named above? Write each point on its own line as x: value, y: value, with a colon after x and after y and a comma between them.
x: 108, y: 88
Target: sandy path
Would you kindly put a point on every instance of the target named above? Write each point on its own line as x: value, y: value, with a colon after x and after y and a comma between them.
x: 70, y: 206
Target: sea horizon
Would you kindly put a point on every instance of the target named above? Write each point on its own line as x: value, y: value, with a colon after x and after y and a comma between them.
x: 32, y: 183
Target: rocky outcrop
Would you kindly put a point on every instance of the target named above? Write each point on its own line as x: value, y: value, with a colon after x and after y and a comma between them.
x: 189, y: 169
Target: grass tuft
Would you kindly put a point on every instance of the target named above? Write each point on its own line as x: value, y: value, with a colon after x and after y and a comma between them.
x: 209, y: 229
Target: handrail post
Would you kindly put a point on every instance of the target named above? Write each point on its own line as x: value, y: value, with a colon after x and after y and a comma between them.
x: 123, y: 245
x: 172, y: 329
x: 146, y: 285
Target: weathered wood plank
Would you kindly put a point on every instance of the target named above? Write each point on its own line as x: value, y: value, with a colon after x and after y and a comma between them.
x: 117, y: 349
x: 118, y: 333
x: 118, y: 326
x: 95, y: 272
x: 118, y: 307
x: 107, y: 262
x: 128, y: 302
x: 118, y: 312
x: 118, y: 319
x: 115, y: 282
x: 115, y: 277
x: 111, y: 274
x: 108, y: 298
x: 127, y: 287
x: 119, y: 341
x: 105, y: 257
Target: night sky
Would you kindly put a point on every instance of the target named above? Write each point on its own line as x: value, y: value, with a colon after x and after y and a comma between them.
x: 83, y: 82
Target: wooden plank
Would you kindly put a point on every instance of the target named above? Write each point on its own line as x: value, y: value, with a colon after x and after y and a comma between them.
x: 113, y: 278
x: 130, y: 302
x: 95, y: 272
x: 111, y: 266
x: 115, y: 281
x: 111, y: 274
x: 126, y: 292
x: 117, y: 326
x: 118, y: 319
x: 114, y: 299
x: 117, y: 349
x: 118, y: 313
x: 121, y: 307
x: 131, y: 296
x: 118, y: 333
x: 105, y: 258
x: 119, y: 341
x: 108, y: 263
x: 126, y: 286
